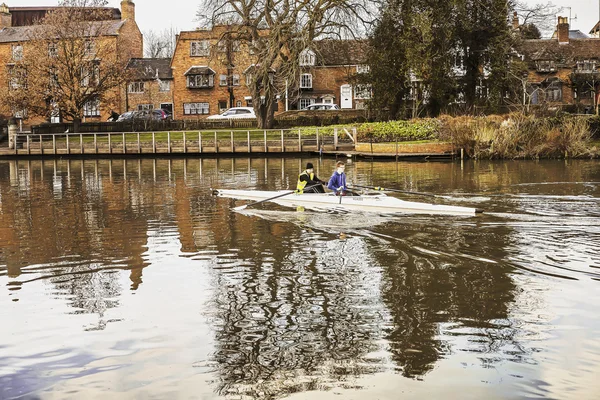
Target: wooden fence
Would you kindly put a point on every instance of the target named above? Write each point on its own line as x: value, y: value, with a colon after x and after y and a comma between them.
x: 184, y: 142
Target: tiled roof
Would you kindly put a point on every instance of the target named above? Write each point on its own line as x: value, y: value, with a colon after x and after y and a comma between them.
x: 340, y: 52
x: 23, y: 33
x: 567, y: 53
x: 199, y: 70
x: 151, y: 68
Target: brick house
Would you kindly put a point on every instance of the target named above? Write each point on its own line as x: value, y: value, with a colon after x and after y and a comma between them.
x: 563, y: 70
x: 328, y: 70
x: 122, y: 34
x: 151, y: 86
x: 209, y: 73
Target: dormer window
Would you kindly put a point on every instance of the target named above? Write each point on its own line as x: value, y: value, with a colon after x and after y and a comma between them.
x: 200, y: 77
x: 307, y: 58
x: 586, y: 66
x: 546, y: 66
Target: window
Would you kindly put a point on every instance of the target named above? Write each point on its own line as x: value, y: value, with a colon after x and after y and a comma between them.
x: 303, y: 103
x: 362, y: 69
x: 52, y: 50
x: 554, y: 92
x: 200, y: 48
x: 546, y: 66
x: 222, y: 105
x: 90, y: 75
x: 200, y: 81
x: 53, y: 78
x: 164, y: 86
x: 223, y: 43
x: 306, y: 81
x: 248, y: 79
x: 168, y: 107
x: 136, y: 87
x: 145, y: 107
x: 92, y: 108
x: 17, y: 77
x: 89, y: 48
x: 236, y: 80
x: 195, y: 108
x: 222, y: 80
x: 238, y: 103
x: 307, y: 58
x: 362, y: 92
x: 586, y: 66
x: 17, y: 52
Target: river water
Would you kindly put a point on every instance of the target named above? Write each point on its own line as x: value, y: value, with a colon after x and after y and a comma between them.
x: 128, y: 279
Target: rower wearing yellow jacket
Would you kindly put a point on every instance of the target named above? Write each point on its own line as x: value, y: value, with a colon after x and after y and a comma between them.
x: 308, y: 178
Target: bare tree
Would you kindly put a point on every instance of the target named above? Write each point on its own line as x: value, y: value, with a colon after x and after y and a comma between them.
x: 277, y: 32
x: 160, y: 44
x: 68, y: 64
x: 542, y: 15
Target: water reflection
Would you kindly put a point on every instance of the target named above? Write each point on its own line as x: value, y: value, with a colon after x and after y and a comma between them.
x: 288, y: 301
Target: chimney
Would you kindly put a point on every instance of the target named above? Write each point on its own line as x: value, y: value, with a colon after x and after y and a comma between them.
x: 515, y: 21
x: 5, y: 17
x: 563, y: 30
x: 127, y: 10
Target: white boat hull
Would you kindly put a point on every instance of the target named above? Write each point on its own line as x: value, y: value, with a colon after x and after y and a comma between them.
x: 328, y: 201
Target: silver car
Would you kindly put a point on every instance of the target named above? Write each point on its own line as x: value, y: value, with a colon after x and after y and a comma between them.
x: 236, y: 113
x: 322, y: 106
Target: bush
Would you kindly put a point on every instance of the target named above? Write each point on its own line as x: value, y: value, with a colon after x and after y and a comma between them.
x: 418, y: 129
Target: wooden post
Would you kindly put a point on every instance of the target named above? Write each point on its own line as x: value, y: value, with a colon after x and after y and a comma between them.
x: 249, y: 148
x: 266, y: 148
x: 216, y: 144
x: 184, y: 145
x: 96, y: 143
x: 109, y: 144
x: 335, y: 138
x: 81, y: 143
x: 169, y: 142
x: 153, y: 144
x: 139, y: 145
x: 232, y: 149
x: 317, y: 139
x: 355, y: 135
x: 199, y: 142
x: 68, y: 147
x: 282, y: 145
x: 28, y: 146
x: 124, y: 147
x: 41, y: 150
x: 53, y: 144
x: 299, y: 140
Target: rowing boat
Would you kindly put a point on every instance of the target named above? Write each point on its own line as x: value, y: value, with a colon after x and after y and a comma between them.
x: 376, y: 202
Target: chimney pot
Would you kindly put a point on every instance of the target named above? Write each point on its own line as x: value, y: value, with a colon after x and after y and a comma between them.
x: 515, y: 21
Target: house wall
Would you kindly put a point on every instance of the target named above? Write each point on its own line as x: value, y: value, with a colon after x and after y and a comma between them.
x: 152, y: 95
x: 329, y: 80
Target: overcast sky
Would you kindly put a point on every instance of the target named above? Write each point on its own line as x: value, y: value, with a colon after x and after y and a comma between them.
x: 181, y: 14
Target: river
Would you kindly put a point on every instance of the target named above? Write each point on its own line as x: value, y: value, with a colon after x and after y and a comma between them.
x: 129, y: 279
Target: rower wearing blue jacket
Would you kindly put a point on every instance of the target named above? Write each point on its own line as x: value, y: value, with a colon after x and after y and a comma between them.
x: 337, y: 182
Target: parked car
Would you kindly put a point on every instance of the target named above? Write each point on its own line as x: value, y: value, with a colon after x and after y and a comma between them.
x: 235, y: 113
x: 322, y: 106
x: 144, y: 115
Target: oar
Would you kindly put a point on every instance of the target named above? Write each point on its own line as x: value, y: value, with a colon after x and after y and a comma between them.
x: 396, y: 190
x: 240, y: 208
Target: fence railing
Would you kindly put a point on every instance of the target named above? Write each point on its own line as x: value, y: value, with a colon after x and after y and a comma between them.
x: 184, y: 142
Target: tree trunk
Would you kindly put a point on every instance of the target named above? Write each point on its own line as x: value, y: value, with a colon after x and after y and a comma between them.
x: 76, y: 125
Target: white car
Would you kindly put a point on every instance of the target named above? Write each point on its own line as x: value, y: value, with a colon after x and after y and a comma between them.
x: 322, y: 106
x: 236, y: 113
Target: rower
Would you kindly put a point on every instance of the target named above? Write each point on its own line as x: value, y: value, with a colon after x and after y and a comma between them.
x: 308, y: 177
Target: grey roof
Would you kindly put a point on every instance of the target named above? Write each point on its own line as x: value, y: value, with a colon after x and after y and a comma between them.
x: 573, y: 34
x: 199, y: 70
x: 332, y: 52
x: 567, y: 53
x: 151, y: 68
x: 23, y: 33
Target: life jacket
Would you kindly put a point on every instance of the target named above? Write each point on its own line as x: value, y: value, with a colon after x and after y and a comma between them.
x: 302, y: 184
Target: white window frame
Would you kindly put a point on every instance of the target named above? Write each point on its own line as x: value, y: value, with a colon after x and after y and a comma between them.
x: 248, y: 79
x: 238, y: 103
x: 90, y: 75
x: 164, y: 86
x: 235, y: 80
x: 222, y: 80
x: 306, y: 81
x: 53, y: 50
x: 92, y: 108
x: 305, y: 102
x: 136, y: 87
x: 145, y: 107
x: 362, y: 92
x: 363, y: 69
x: 307, y: 58
x: 200, y: 48
x: 89, y: 48
x: 196, y: 108
x: 200, y: 81
x: 17, y: 52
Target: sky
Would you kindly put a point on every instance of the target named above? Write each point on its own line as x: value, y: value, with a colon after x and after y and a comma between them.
x: 181, y: 14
